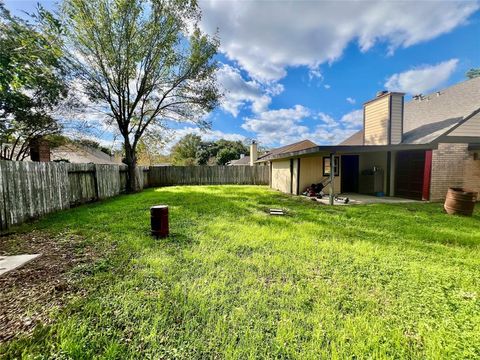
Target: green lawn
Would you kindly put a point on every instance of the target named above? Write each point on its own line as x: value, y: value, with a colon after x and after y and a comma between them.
x: 370, y: 281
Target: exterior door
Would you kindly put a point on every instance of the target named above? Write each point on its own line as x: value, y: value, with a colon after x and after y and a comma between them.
x: 409, y: 174
x: 349, y: 173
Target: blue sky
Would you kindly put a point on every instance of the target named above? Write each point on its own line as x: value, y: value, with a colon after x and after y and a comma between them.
x: 296, y: 70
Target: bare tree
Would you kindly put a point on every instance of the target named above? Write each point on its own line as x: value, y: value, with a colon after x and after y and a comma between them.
x: 147, y: 62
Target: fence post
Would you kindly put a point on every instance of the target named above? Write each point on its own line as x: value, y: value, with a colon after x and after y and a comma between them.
x: 3, y: 198
x: 95, y: 182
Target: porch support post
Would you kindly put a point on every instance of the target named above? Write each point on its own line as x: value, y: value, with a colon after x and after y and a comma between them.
x: 427, y: 173
x: 332, y: 176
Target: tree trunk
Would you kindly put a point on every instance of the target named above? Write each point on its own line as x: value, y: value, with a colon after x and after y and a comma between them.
x: 133, y: 184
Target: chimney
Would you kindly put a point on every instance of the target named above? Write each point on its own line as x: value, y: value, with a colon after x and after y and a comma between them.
x: 383, y: 119
x: 253, y: 153
x: 39, y: 150
x: 242, y: 156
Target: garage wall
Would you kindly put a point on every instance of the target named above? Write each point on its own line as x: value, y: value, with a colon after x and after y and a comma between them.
x: 281, y: 175
x: 295, y: 188
x: 379, y: 159
x: 311, y: 172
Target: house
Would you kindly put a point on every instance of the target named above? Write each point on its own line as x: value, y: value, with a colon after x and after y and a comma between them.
x: 244, y: 160
x: 77, y: 153
x: 256, y: 159
x: 415, y: 149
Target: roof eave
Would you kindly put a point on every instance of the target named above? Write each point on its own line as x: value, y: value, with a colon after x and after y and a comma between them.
x: 347, y: 149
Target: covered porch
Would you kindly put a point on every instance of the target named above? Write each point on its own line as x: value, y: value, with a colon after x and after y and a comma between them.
x: 359, y: 199
x: 389, y: 172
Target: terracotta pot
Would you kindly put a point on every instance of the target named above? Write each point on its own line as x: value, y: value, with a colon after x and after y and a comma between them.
x: 460, y: 201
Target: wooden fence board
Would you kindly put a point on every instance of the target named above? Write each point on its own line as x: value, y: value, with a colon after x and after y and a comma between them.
x: 30, y: 190
x: 207, y: 175
x: 81, y: 179
x: 108, y: 180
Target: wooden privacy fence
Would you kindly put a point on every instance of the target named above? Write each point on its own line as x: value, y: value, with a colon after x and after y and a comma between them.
x: 29, y: 190
x: 208, y: 175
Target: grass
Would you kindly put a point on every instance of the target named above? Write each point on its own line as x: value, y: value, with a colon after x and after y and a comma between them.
x: 369, y: 281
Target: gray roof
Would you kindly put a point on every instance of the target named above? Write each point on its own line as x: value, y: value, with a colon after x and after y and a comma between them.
x: 428, y: 118
x: 300, y: 145
x: 79, y: 154
x: 242, y: 161
x: 355, y: 139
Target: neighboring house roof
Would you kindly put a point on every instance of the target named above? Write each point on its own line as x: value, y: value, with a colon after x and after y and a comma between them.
x: 301, y: 145
x: 431, y: 116
x: 242, y: 161
x: 81, y: 154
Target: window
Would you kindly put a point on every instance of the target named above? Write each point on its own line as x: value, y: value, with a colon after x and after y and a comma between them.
x: 326, y: 166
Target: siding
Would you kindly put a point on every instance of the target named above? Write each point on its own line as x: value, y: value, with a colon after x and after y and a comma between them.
x: 470, y: 128
x: 311, y: 172
x: 295, y: 177
x: 376, y: 121
x: 397, y: 116
x: 281, y: 175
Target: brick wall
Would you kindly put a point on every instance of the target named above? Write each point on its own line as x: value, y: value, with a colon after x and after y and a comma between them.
x: 449, y: 163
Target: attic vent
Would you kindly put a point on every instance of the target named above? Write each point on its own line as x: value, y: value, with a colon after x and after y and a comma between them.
x: 418, y: 97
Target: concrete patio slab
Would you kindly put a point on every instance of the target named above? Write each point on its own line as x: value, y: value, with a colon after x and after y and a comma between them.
x: 8, y: 263
x: 358, y: 199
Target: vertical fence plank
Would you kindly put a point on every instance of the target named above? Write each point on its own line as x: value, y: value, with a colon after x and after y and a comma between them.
x: 208, y: 175
x: 3, y: 200
x: 30, y: 190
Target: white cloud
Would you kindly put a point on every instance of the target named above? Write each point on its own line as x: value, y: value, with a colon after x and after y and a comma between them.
x: 327, y: 119
x: 353, y: 119
x: 239, y: 92
x: 281, y: 126
x: 351, y: 100
x: 286, y: 126
x: 333, y: 131
x: 326, y: 86
x: 423, y: 78
x: 265, y: 37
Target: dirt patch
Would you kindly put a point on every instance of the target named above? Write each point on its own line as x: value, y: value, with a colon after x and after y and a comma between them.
x: 28, y: 294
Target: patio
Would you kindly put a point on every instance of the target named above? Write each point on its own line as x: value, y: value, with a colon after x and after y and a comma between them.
x: 359, y: 199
